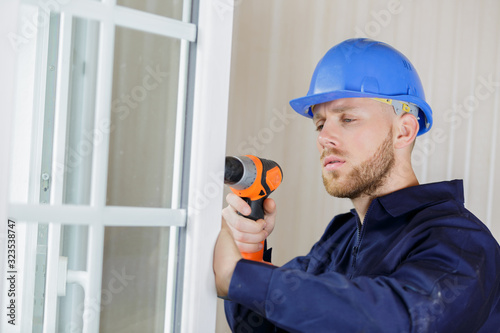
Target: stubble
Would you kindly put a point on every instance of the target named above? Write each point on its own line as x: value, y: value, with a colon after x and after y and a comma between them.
x: 365, y: 178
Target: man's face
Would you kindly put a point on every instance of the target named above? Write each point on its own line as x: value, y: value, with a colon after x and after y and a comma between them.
x: 355, y: 140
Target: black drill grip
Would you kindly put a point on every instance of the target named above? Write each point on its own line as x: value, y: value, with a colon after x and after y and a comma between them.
x: 257, y: 207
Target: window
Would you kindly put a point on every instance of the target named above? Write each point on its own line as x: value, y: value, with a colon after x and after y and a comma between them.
x: 116, y: 164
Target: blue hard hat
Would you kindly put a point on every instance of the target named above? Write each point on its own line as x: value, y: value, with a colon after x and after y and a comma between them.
x: 363, y: 67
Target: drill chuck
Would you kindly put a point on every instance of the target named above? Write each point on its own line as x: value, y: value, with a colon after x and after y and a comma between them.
x: 233, y: 171
x: 240, y: 172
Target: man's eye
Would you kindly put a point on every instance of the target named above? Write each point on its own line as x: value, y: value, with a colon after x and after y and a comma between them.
x: 347, y: 120
x: 319, y: 127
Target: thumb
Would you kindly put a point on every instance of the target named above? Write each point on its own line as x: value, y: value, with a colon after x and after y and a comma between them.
x: 269, y: 206
x: 270, y: 214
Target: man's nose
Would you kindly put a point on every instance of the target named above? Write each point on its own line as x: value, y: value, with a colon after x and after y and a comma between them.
x: 328, y: 136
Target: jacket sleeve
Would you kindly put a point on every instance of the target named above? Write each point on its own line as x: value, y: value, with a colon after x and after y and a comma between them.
x: 241, y: 318
x: 449, y: 283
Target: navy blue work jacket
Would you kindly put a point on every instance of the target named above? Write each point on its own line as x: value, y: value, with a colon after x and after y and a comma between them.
x: 420, y: 262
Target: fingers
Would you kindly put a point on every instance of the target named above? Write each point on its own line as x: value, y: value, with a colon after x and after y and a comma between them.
x: 238, y: 204
x: 249, y: 248
x: 241, y: 223
x: 248, y: 234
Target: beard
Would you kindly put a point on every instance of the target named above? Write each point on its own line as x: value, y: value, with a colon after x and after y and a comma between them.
x: 365, y: 178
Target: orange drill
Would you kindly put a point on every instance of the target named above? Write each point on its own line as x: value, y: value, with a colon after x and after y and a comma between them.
x: 252, y: 179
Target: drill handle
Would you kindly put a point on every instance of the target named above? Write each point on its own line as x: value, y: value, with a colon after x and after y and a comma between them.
x: 257, y: 213
x: 257, y: 207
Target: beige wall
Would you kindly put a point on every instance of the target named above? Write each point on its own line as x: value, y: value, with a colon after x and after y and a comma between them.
x: 455, y: 46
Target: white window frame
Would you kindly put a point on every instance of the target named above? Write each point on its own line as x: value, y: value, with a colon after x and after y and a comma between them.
x: 8, y: 23
x: 195, y: 223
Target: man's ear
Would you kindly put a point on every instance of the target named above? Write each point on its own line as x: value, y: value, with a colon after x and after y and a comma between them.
x: 407, y: 129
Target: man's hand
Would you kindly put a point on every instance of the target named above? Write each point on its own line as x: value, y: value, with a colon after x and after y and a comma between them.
x: 247, y: 233
x: 238, y: 233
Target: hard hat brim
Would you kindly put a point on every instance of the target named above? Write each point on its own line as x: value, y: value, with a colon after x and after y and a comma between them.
x: 302, y: 105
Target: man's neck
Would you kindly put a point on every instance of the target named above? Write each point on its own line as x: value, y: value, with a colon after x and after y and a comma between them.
x: 362, y: 202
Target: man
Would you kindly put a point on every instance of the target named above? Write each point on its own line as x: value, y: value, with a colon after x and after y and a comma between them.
x: 407, y: 258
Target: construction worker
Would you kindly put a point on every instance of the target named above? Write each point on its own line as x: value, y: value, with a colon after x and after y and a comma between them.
x: 407, y: 258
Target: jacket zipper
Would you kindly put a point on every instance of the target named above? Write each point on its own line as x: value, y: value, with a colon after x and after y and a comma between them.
x: 360, y: 229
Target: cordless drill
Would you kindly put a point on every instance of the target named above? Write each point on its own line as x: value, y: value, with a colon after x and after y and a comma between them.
x: 252, y: 179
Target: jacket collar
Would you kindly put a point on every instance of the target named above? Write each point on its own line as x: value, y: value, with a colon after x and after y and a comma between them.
x: 408, y: 199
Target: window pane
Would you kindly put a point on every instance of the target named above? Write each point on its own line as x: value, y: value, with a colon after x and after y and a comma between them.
x: 80, y: 141
x: 81, y: 135
x: 143, y: 117
x: 168, y: 8
x: 134, y: 279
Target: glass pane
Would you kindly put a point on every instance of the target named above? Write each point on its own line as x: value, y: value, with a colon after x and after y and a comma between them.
x: 168, y: 8
x: 144, y: 102
x: 134, y: 279
x: 81, y: 136
x: 80, y: 141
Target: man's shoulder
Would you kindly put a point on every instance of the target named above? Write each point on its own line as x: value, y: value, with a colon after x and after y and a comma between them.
x: 451, y: 222
x: 447, y: 213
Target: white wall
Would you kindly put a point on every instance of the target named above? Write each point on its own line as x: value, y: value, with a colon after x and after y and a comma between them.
x: 455, y: 46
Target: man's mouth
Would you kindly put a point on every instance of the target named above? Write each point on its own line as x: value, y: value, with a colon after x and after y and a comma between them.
x: 332, y: 162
